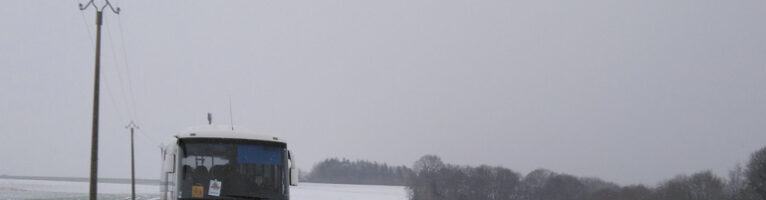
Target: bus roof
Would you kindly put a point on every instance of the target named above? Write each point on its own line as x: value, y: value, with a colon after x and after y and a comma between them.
x: 225, y: 132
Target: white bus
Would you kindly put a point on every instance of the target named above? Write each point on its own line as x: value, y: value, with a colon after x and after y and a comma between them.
x: 219, y: 163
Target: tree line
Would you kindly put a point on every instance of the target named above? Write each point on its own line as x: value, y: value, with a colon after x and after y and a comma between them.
x: 434, y: 180
x: 344, y: 171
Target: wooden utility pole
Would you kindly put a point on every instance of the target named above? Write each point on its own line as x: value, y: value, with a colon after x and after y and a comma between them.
x: 132, y: 126
x: 94, y: 129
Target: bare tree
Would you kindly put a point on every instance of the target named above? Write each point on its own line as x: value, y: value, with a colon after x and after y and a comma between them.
x: 563, y: 187
x: 699, y: 186
x: 756, y: 172
x: 635, y: 192
x: 736, y: 187
x: 428, y: 164
x: 425, y: 184
x: 706, y: 186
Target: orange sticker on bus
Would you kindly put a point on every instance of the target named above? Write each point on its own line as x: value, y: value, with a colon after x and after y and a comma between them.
x: 198, y: 192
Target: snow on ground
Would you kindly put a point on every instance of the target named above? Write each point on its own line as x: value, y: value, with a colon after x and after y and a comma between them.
x: 320, y: 191
x: 39, y: 189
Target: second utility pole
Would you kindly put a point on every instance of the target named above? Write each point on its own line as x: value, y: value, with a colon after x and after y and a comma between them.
x: 132, y: 126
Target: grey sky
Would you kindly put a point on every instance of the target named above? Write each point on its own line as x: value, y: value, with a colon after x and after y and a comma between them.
x: 629, y: 91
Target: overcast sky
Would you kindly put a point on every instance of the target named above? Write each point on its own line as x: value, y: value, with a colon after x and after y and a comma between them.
x: 629, y: 91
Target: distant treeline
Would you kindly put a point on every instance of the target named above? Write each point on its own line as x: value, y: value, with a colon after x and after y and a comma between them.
x: 343, y: 171
x: 434, y: 180
x: 431, y: 179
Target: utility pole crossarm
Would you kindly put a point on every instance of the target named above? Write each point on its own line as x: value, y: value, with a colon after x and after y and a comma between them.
x: 132, y: 125
x: 115, y: 10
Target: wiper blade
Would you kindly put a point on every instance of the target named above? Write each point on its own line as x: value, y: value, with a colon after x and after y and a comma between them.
x: 243, y: 197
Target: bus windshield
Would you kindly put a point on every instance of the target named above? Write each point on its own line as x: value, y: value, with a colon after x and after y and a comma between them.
x: 230, y: 169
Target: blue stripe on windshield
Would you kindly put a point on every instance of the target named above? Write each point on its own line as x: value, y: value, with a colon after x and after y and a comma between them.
x: 254, y: 154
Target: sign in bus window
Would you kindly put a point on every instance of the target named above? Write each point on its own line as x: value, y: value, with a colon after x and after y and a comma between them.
x: 254, y: 154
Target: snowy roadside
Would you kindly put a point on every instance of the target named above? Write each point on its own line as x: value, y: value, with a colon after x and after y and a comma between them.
x: 41, y: 189
x: 321, y: 191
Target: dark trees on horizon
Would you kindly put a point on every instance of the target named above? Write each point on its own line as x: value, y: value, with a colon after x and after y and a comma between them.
x: 432, y: 179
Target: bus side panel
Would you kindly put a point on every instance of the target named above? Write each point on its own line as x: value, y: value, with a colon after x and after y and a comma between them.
x: 168, y: 173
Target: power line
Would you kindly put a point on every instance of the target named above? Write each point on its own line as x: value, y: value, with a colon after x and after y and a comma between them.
x: 106, y: 83
x: 127, y: 64
x: 148, y: 137
x: 126, y: 96
x: 111, y: 99
x: 117, y: 70
x: 85, y: 23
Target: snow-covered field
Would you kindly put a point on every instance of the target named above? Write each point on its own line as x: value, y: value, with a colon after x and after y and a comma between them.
x: 38, y: 189
x: 317, y: 191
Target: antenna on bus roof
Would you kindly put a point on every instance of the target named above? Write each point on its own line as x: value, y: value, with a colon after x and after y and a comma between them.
x: 209, y: 119
x: 231, y: 115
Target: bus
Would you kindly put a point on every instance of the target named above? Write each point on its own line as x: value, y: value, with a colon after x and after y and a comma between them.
x: 220, y: 163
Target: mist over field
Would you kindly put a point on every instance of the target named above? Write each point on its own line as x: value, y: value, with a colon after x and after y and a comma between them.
x: 666, y: 95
